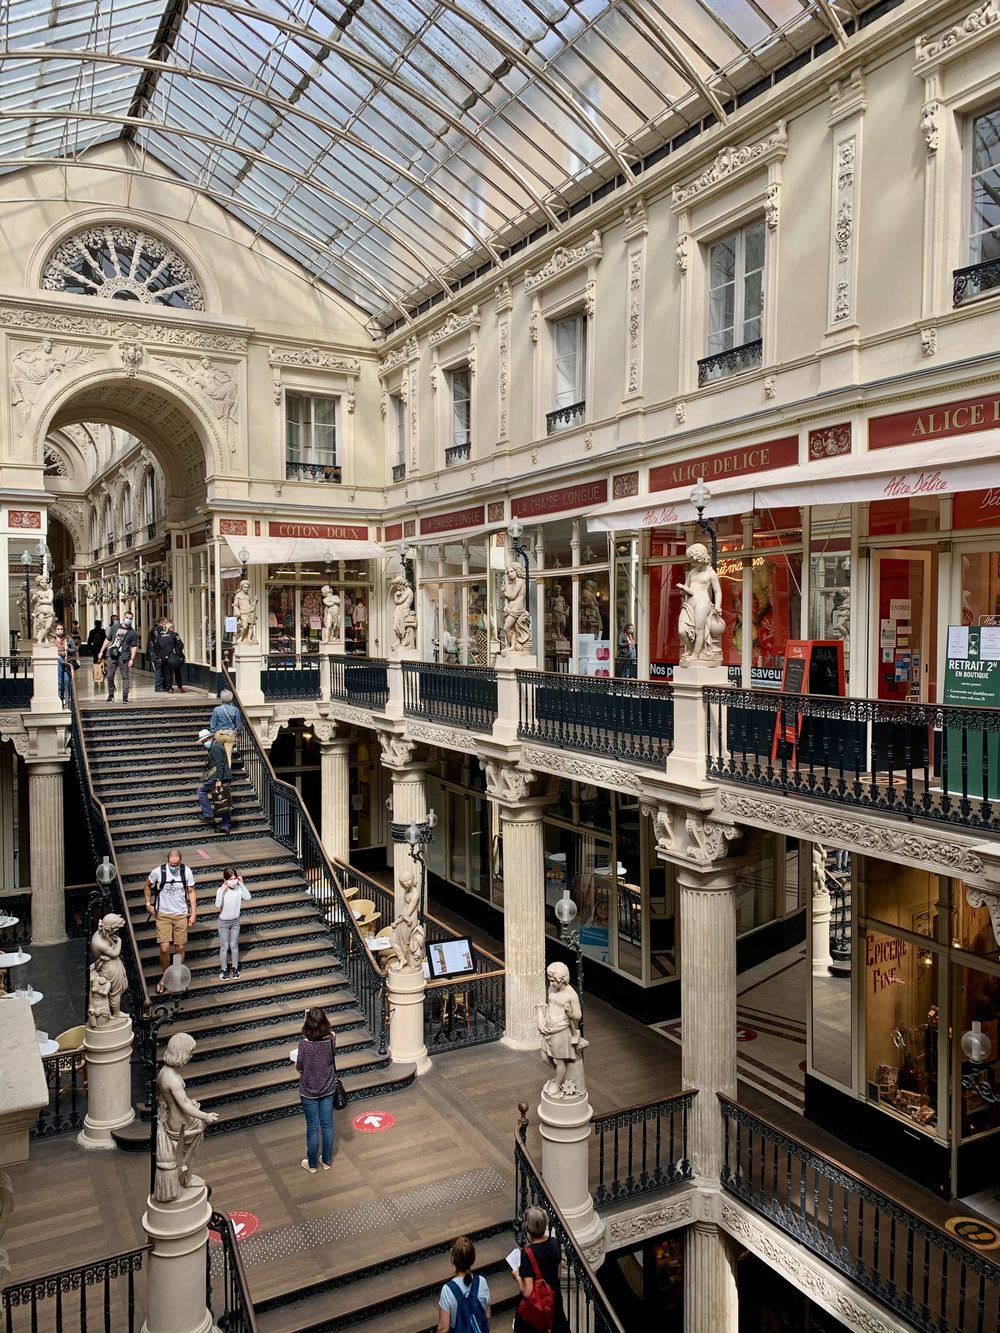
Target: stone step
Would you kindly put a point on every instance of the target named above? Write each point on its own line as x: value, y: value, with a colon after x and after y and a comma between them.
x: 234, y: 1006
x: 261, y: 962
x: 275, y: 1028
x: 237, y: 1111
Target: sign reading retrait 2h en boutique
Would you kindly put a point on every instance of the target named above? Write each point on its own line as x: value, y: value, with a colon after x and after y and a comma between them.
x: 972, y: 681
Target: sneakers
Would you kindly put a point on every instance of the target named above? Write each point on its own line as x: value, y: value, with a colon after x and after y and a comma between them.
x: 235, y: 974
x: 224, y: 974
x: 307, y: 1167
x: 326, y: 1165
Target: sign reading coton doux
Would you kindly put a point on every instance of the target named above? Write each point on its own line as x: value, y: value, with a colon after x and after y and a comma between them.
x: 960, y: 418
x: 340, y: 532
x: 729, y: 463
x: 558, y: 501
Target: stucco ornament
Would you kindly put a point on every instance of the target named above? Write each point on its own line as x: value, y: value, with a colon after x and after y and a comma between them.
x: 131, y: 356
x: 663, y: 825
x: 991, y: 901
x: 407, y: 929
x: 108, y: 982
x: 707, y: 839
x: 331, y: 614
x: 245, y: 611
x: 180, y: 1124
x: 397, y: 751
x: 563, y: 1043
x: 32, y: 370
x: 216, y: 386
x: 700, y: 623
x: 516, y: 617
x: 404, y: 617
x: 43, y: 615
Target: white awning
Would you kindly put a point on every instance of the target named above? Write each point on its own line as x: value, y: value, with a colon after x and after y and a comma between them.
x: 293, y: 550
x: 932, y: 467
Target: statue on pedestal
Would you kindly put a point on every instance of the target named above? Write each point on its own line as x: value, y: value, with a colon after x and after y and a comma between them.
x: 404, y: 618
x: 558, y: 612
x: 700, y: 623
x: 562, y: 1043
x: 245, y: 611
x: 407, y: 929
x: 108, y: 981
x: 330, y: 632
x: 43, y: 614
x: 516, y: 618
x: 180, y: 1123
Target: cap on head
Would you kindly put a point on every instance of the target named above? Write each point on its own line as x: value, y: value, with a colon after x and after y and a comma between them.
x: 204, y: 734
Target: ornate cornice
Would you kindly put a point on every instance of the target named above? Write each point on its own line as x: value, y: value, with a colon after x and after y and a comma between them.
x: 344, y: 712
x: 936, y: 51
x: 313, y: 358
x: 563, y: 260
x: 731, y: 162
x: 582, y: 769
x: 454, y: 324
x: 110, y: 325
x: 443, y: 737
x: 650, y: 1222
x: 407, y: 351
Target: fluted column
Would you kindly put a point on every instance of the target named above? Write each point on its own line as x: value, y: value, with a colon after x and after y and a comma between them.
x: 409, y: 805
x: 335, y: 797
x: 523, y: 920
x: 48, y: 861
x: 711, y: 1299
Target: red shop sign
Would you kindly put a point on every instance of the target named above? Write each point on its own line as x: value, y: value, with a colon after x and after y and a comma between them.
x: 472, y: 517
x: 565, y: 497
x: 393, y: 532
x: 964, y: 417
x: 976, y: 509
x: 329, y: 531
x: 729, y: 463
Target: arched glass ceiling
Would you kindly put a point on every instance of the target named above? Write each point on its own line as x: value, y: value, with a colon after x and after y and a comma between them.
x: 388, y: 146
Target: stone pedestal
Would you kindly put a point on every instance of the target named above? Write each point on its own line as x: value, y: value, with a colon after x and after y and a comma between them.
x: 326, y: 651
x: 109, y: 1086
x: 335, y: 798
x: 47, y: 851
x: 523, y: 922
x: 394, y: 678
x: 686, y: 762
x: 23, y: 1093
x: 45, y: 687
x: 248, y: 661
x: 822, y: 906
x: 565, y: 1126
x: 505, y: 726
x: 711, y: 1298
x: 406, y: 1019
x: 175, y: 1281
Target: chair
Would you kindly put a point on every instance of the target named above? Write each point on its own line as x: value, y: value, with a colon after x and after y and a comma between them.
x: 72, y: 1038
x: 385, y: 956
x: 363, y: 906
x: 70, y: 1045
x: 367, y: 924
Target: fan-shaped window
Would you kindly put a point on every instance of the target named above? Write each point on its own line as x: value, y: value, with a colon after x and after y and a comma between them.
x: 55, y: 466
x: 122, y: 264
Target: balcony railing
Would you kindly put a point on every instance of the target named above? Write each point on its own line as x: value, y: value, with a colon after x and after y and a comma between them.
x: 731, y: 362
x: 641, y: 1149
x: 936, y: 1283
x: 15, y: 682
x: 976, y: 279
x: 295, y: 471
x: 457, y: 453
x: 632, y: 720
x: 64, y: 1113
x: 399, y: 471
x: 365, y: 683
x: 565, y: 418
x: 111, y: 544
x: 150, y: 531
x: 290, y: 676
x: 99, y: 1296
x: 921, y: 761
x: 464, y: 696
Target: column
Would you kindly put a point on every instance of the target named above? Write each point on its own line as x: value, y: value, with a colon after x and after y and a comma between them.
x: 523, y: 920
x: 7, y: 762
x: 48, y: 863
x: 335, y: 798
x: 711, y: 1298
x: 409, y: 797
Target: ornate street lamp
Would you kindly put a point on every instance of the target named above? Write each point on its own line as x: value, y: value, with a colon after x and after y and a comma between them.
x: 565, y: 910
x: 700, y: 498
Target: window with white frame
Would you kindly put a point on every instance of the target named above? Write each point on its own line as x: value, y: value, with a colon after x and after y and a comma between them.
x: 983, y: 271
x: 311, y: 438
x: 736, y: 294
x: 398, y: 420
x: 569, y: 361
x: 459, y: 445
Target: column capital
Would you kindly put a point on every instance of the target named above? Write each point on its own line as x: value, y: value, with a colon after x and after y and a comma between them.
x: 517, y: 789
x: 398, y: 752
x: 693, y: 840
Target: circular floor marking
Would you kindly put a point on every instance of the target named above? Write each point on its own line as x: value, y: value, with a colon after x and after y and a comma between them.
x: 745, y: 1033
x: 373, y: 1122
x: 244, y: 1224
x: 975, y: 1231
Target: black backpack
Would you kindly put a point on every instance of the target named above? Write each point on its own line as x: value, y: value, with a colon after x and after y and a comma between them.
x: 158, y: 888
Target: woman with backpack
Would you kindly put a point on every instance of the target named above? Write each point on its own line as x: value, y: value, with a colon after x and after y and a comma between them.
x: 464, y: 1306
x: 170, y: 647
x: 229, y: 898
x: 538, y: 1278
x: 316, y: 1062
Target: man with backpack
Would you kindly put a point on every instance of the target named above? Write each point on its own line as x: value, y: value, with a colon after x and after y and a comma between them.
x: 464, y: 1304
x: 172, y: 902
x: 153, y: 655
x: 214, y: 792
x: 119, y: 650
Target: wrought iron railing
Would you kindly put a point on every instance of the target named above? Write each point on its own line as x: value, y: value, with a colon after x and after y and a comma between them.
x: 642, y: 1148
x: 96, y: 1297
x: 16, y: 683
x: 365, y: 682
x: 463, y: 695
x: 974, y: 280
x: 922, y: 761
x: 290, y: 676
x: 457, y: 453
x: 399, y: 471
x: 565, y: 418
x: 584, y: 1301
x: 295, y: 471
x: 65, y: 1077
x: 227, y: 1292
x: 150, y: 531
x: 938, y: 1284
x: 733, y: 361
x: 625, y: 719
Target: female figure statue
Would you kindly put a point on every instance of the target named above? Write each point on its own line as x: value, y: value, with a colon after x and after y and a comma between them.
x: 407, y: 929
x: 108, y: 981
x: 404, y: 618
x: 700, y: 622
x: 559, y: 1028
x: 180, y: 1123
x: 43, y: 614
x: 516, y: 619
x: 330, y: 632
x: 245, y: 611
x: 590, y: 612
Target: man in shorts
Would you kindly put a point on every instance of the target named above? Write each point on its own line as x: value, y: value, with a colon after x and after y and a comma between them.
x: 171, y: 900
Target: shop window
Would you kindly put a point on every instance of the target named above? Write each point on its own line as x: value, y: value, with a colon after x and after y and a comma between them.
x: 886, y: 517
x: 569, y: 373
x: 979, y: 1003
x: 974, y: 931
x: 901, y: 1027
x: 594, y: 647
x: 980, y: 592
x: 626, y: 606
x: 830, y: 576
x: 459, y: 448
x: 735, y: 304
x: 311, y: 438
x: 902, y: 896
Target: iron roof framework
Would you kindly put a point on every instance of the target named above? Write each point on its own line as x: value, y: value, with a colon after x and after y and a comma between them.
x: 389, y: 146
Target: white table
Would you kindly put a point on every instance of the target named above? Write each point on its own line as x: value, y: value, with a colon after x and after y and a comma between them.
x: 7, y: 921
x: 14, y: 959
x: 379, y: 942
x: 49, y: 1047
x: 32, y: 996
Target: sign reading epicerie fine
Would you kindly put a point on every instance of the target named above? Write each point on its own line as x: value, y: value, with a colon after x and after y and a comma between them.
x: 961, y: 418
x: 326, y: 531
x: 729, y: 463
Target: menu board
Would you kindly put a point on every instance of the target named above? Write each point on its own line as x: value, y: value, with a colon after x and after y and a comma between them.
x: 972, y: 680
x: 812, y: 666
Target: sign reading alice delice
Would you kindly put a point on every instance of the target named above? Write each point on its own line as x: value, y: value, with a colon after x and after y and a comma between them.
x: 972, y: 681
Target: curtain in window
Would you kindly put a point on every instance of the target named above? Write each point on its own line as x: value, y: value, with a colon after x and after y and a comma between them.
x: 460, y: 407
x: 324, y: 441
x: 293, y: 428
x: 568, y: 346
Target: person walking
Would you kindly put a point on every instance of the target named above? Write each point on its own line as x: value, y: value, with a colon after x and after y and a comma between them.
x: 172, y: 902
x: 229, y: 898
x: 119, y: 650
x: 217, y: 777
x: 464, y: 1304
x: 153, y: 654
x: 316, y: 1062
x: 170, y: 646
x: 225, y: 723
x: 95, y: 641
x: 66, y: 662
x: 540, y: 1258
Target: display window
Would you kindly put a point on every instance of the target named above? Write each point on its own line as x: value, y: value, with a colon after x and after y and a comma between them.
x: 978, y: 1022
x: 919, y: 514
x: 830, y: 576
x: 976, y: 509
x: 903, y: 637
x: 979, y: 593
x: 295, y: 607
x: 460, y: 597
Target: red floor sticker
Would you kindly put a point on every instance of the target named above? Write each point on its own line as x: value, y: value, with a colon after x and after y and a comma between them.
x: 746, y: 1034
x: 244, y: 1224
x: 373, y: 1122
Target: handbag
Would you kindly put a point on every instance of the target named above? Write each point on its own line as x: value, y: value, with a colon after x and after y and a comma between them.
x: 339, y: 1096
x: 222, y: 799
x: 538, y: 1310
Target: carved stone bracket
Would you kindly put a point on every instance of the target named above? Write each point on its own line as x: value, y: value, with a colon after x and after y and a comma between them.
x: 510, y: 784
x: 707, y: 838
x: 397, y: 751
x: 991, y: 901
x: 663, y: 825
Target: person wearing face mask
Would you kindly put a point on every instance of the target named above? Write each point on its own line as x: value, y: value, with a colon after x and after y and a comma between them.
x: 119, y: 650
x: 66, y: 662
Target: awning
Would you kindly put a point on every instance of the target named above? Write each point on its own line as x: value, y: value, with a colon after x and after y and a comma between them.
x: 932, y: 467
x: 293, y: 550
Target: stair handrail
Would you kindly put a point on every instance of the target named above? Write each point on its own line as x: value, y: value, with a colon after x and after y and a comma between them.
x: 237, y: 1314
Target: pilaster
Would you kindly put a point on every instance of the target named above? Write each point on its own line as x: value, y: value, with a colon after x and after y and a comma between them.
x: 711, y: 1298
x: 409, y: 796
x: 48, y: 859
x: 335, y: 793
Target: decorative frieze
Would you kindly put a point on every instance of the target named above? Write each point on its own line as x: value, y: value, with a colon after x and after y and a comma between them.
x: 973, y: 27
x: 564, y: 260
x: 313, y: 358
x: 503, y: 378
x: 407, y: 351
x: 454, y: 324
x: 633, y: 328
x: 581, y: 769
x: 843, y: 261
x: 624, y: 485
x: 732, y: 162
x: 56, y: 320
x: 830, y: 441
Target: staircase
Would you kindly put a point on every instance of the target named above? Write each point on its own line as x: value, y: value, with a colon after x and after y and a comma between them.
x: 145, y: 765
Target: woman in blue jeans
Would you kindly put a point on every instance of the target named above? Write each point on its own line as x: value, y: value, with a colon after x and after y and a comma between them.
x: 317, y: 1065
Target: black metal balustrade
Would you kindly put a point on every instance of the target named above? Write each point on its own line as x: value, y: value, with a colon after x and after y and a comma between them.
x: 227, y: 1292
x: 111, y: 544
x: 463, y: 695
x: 365, y: 683
x: 565, y: 418
x: 457, y: 453
x: 16, y: 684
x: 938, y: 1284
x: 975, y: 279
x: 289, y: 676
x: 584, y: 1300
x: 641, y: 1149
x: 150, y: 531
x: 202, y: 677
x: 624, y: 719
x: 96, y: 1297
x: 65, y: 1077
x: 922, y: 761
x: 399, y: 471
x: 295, y: 471
x: 733, y: 361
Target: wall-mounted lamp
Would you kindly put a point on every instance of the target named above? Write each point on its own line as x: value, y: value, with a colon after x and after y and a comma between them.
x: 700, y: 498
x: 977, y: 1047
x: 243, y: 556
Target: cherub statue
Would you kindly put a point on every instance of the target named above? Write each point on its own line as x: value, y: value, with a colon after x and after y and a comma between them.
x: 407, y: 929
x: 404, y: 618
x: 559, y: 1028
x: 700, y: 622
x: 330, y: 632
x: 43, y: 614
x: 180, y: 1123
x: 245, y: 611
x: 516, y: 618
x: 108, y: 981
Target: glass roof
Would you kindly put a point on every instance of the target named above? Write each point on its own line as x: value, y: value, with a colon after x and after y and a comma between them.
x: 389, y: 146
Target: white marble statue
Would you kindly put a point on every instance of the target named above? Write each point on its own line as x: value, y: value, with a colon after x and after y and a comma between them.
x: 700, y: 623
x: 180, y: 1123
x: 108, y: 981
x: 559, y: 1028
x: 516, y: 617
x: 43, y: 614
x: 404, y: 618
x: 245, y: 611
x: 407, y: 929
x: 591, y: 620
x: 330, y: 632
x: 558, y: 612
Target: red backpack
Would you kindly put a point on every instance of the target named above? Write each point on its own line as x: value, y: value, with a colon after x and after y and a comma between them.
x: 538, y: 1310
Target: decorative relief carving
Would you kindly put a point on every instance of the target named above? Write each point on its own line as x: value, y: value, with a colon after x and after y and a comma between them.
x: 215, y: 385
x: 843, y: 229
x: 624, y: 485
x: 984, y: 16
x: 314, y: 358
x: 681, y: 250
x: 589, y: 299
x: 681, y: 413
x: 848, y: 97
x: 455, y: 324
x: 623, y: 1229
x: 503, y: 296
x: 929, y: 125
x: 56, y: 320
x: 564, y: 259
x: 991, y: 901
x: 636, y: 221
x: 830, y: 441
x: 397, y: 751
x: 634, y: 327
x: 383, y: 403
x: 24, y: 518
x: 435, y: 378
x: 873, y: 838
x: 441, y: 737
x: 770, y: 386
x: 495, y: 511
x: 842, y: 303
x: 582, y: 769
x: 533, y: 327
x: 505, y: 782
x: 407, y: 351
x: 588, y: 441
x: 503, y: 375
x: 106, y: 261
x: 707, y: 838
x: 34, y: 368
x: 845, y: 158
x: 772, y: 197
x: 845, y: 165
x: 131, y: 358
x: 731, y: 161
x: 663, y: 825
x: 350, y: 399
x: 928, y: 340
x: 276, y: 391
